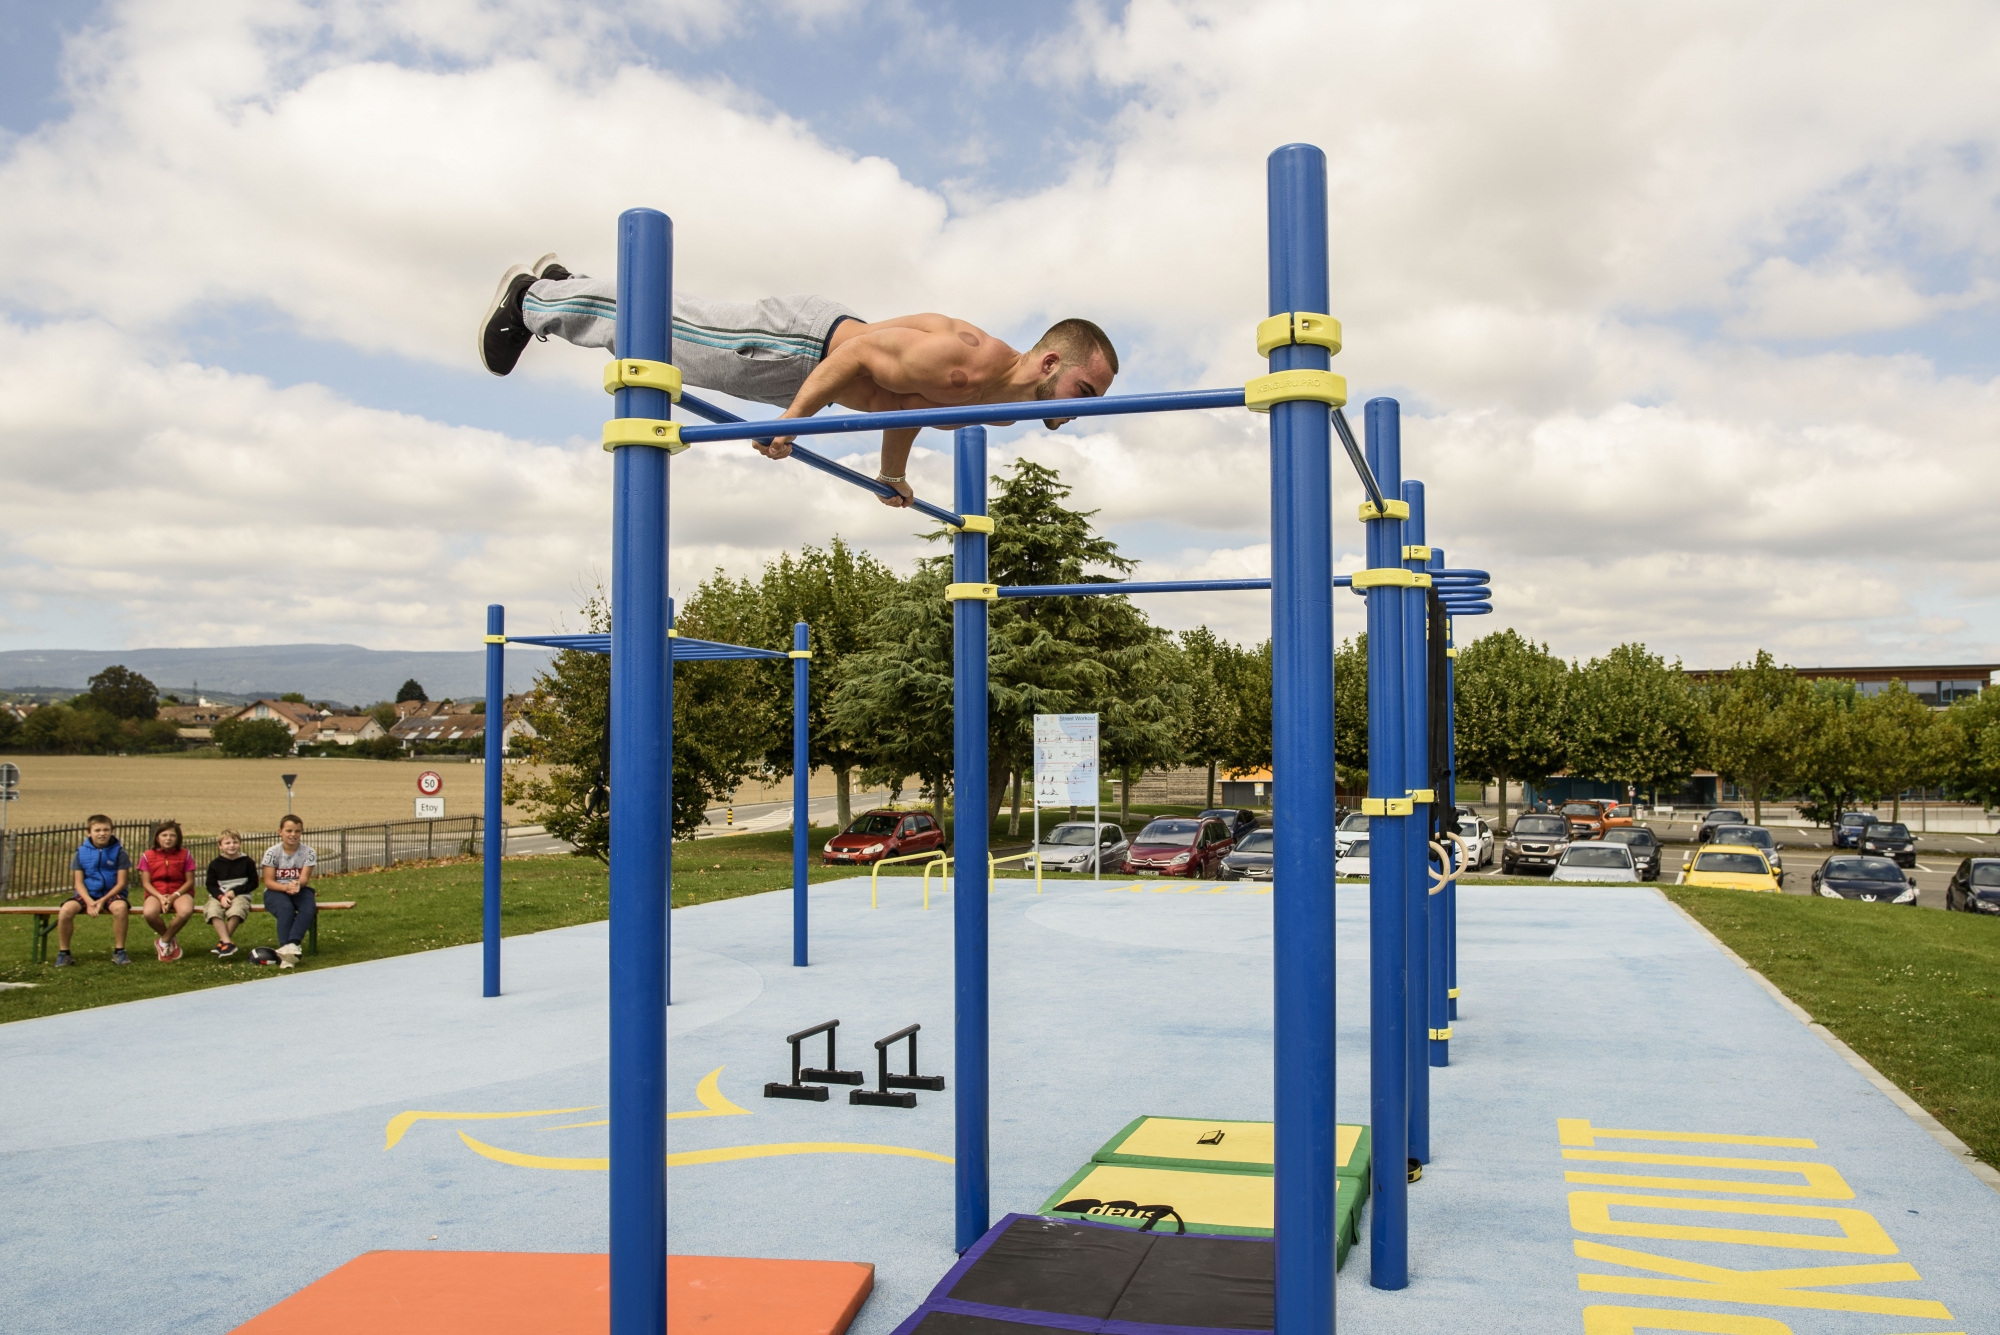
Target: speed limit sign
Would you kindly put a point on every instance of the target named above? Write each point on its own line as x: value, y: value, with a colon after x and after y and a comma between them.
x: 430, y: 783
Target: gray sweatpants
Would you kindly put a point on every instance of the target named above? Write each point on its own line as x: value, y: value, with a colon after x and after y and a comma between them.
x: 757, y: 350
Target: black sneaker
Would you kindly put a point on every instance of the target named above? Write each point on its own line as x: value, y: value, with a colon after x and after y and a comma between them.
x: 228, y: 951
x: 503, y: 334
x: 120, y: 957
x: 63, y: 960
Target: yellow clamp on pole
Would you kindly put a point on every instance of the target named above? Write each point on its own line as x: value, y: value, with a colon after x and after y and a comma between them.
x: 983, y: 593
x: 1388, y: 806
x: 1441, y: 1035
x: 1291, y: 327
x: 644, y: 431
x: 637, y: 373
x: 1389, y: 510
x: 673, y: 634
x: 799, y: 653
x: 1453, y: 994
x: 1451, y: 653
x: 1265, y: 391
x: 1424, y: 795
x: 1391, y: 577
x: 496, y: 639
x: 1416, y: 553
x: 973, y: 524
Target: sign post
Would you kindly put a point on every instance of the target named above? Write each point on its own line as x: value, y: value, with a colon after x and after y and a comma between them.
x: 10, y: 789
x: 289, y: 779
x: 1066, y: 770
x: 430, y: 806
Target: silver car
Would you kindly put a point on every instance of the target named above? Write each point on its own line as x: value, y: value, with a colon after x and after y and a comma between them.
x: 1478, y: 836
x: 1594, y: 861
x: 1355, y: 826
x: 1068, y: 846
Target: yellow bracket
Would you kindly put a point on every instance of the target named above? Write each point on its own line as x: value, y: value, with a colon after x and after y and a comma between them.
x: 496, y: 639
x: 1391, y: 577
x: 673, y: 634
x: 635, y: 373
x: 800, y: 653
x: 1260, y: 394
x: 984, y: 593
x: 1425, y: 795
x: 1388, y: 806
x: 1390, y: 510
x: 1451, y: 653
x: 1453, y: 994
x: 973, y: 524
x: 1441, y: 1035
x: 1416, y: 553
x: 1297, y: 327
x: 643, y: 431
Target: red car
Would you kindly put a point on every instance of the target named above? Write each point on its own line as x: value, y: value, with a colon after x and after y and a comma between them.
x: 1179, y: 846
x: 879, y: 834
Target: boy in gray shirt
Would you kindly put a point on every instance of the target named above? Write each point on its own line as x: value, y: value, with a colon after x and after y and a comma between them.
x: 288, y: 896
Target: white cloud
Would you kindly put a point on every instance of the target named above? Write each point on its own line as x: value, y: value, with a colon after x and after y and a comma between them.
x: 1533, y: 205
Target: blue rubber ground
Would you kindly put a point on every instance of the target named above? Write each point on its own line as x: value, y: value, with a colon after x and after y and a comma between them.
x: 241, y: 1146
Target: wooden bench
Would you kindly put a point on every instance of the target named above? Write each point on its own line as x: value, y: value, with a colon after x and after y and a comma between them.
x: 45, y: 923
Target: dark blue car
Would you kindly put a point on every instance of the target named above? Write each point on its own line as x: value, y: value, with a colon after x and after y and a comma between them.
x: 1847, y: 834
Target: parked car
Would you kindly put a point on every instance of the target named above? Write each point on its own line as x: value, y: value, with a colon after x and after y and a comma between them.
x: 1354, y: 826
x: 882, y: 833
x: 1251, y: 859
x: 1645, y: 846
x: 1595, y: 860
x: 1891, y: 839
x: 1586, y: 819
x: 1239, y: 822
x: 1755, y: 835
x: 1535, y: 841
x: 1354, y: 860
x: 1732, y: 867
x: 1705, y: 831
x: 1869, y: 878
x: 1847, y: 834
x: 1068, y: 847
x: 1975, y: 887
x: 1478, y: 835
x: 1179, y: 846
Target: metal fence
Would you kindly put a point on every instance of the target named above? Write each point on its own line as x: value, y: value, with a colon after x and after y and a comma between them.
x: 36, y: 861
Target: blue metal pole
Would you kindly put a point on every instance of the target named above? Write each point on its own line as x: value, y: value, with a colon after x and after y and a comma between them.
x: 1111, y: 405
x: 1388, y: 963
x: 641, y: 783
x: 969, y: 881
x: 1302, y: 757
x: 801, y: 769
x: 496, y: 724
x: 1416, y: 876
x: 1451, y: 763
x: 1436, y: 1051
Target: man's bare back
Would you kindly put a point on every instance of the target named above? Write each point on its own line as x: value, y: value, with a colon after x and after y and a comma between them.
x: 934, y: 361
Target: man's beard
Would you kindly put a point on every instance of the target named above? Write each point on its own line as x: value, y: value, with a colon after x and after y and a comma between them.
x: 1047, y: 390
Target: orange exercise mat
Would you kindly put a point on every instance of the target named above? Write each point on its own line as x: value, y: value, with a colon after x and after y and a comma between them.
x: 560, y: 1293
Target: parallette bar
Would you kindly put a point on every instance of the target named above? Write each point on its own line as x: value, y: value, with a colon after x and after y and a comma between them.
x: 1131, y: 586
x: 976, y: 414
x: 703, y: 408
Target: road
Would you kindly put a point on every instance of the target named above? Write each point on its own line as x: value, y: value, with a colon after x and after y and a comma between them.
x: 720, y: 822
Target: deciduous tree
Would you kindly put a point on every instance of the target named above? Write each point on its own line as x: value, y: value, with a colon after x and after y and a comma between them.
x: 1509, y: 708
x: 1745, y: 721
x: 123, y: 694
x: 1632, y: 720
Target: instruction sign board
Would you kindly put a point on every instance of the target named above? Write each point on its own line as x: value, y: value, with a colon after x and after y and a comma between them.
x: 1065, y: 760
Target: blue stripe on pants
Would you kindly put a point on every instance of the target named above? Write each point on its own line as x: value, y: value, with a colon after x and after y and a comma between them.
x: 293, y: 913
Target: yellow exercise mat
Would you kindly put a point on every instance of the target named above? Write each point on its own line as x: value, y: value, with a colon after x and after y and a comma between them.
x: 1202, y: 1201
x: 1188, y: 1142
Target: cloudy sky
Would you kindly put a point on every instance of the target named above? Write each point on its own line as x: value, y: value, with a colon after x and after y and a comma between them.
x: 1693, y: 309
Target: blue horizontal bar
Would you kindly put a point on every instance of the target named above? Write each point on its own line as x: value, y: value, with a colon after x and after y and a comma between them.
x: 972, y: 414
x: 703, y: 408
x: 1468, y: 609
x: 1131, y: 586
x: 1460, y: 575
x: 692, y: 650
x: 1465, y: 593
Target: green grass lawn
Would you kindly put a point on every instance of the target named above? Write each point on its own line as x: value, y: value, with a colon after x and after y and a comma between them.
x: 1915, y: 992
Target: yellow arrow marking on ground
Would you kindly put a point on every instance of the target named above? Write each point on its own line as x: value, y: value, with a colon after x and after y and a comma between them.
x: 403, y: 1121
x: 725, y: 1154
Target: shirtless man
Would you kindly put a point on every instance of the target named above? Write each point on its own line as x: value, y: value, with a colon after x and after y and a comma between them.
x: 803, y: 353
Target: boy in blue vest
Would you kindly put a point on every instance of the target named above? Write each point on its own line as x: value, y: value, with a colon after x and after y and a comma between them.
x: 101, y: 874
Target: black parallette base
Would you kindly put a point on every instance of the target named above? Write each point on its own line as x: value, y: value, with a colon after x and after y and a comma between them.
x: 881, y: 1099
x: 914, y: 1081
x: 814, y: 1093
x: 831, y: 1077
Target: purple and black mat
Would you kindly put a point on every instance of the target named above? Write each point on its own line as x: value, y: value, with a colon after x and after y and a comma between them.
x: 1034, y: 1276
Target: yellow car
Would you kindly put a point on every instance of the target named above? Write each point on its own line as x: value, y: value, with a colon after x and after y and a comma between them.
x: 1731, y: 867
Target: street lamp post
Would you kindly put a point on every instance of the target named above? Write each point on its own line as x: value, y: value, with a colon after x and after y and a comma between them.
x: 288, y: 778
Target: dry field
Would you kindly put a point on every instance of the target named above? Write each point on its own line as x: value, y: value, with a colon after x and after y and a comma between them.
x: 206, y: 794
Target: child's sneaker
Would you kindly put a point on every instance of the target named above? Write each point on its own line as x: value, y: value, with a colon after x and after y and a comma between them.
x: 120, y: 957
x: 173, y: 951
x: 63, y: 960
x: 227, y: 950
x: 160, y: 947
